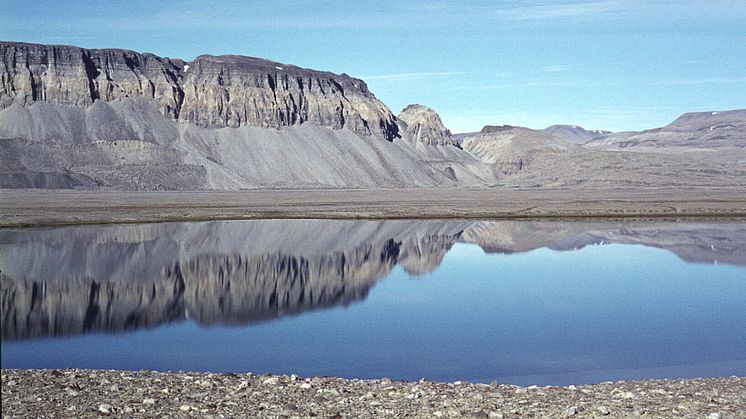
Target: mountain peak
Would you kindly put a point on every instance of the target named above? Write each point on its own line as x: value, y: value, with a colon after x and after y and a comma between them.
x: 424, y: 125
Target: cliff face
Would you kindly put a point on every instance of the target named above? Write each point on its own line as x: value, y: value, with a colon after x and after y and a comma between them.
x: 214, y: 92
x: 424, y: 125
x: 68, y: 75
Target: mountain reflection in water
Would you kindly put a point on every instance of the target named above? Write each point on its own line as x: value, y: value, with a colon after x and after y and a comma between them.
x: 75, y: 280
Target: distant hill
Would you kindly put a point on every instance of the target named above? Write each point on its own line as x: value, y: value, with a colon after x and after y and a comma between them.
x: 716, y: 133
x: 460, y: 136
x: 573, y: 133
x: 526, y: 157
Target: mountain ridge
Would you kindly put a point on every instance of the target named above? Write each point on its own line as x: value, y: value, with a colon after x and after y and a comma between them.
x: 227, y: 91
x: 574, y: 133
x: 118, y: 119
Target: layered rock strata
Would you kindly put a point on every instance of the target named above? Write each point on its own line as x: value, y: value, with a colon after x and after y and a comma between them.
x: 424, y: 125
x: 214, y: 92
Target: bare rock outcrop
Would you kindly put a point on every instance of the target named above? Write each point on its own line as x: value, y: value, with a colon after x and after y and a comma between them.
x: 215, y: 92
x: 424, y: 125
x: 69, y: 75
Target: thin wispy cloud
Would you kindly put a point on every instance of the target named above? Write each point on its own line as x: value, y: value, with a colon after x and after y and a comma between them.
x: 554, y: 10
x: 558, y: 83
x: 519, y: 85
x: 197, y: 17
x: 711, y: 80
x: 403, y: 77
x: 557, y: 68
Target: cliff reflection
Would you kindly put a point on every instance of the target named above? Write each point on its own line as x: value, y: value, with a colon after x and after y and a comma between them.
x: 75, y: 280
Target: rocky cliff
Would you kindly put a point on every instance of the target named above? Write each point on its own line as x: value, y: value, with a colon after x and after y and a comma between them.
x: 224, y: 91
x: 424, y: 125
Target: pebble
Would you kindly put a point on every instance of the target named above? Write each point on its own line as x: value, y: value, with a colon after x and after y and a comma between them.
x: 627, y: 395
x: 43, y: 393
x: 106, y: 409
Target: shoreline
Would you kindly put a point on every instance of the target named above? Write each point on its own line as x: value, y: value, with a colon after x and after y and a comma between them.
x: 78, y: 392
x: 31, y: 208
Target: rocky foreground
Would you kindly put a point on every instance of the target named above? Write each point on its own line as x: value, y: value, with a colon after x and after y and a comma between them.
x: 88, y: 393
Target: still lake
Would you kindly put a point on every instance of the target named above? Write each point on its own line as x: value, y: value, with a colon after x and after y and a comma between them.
x: 519, y: 302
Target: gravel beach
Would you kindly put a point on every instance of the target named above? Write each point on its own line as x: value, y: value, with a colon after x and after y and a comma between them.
x: 19, y: 208
x: 94, y: 393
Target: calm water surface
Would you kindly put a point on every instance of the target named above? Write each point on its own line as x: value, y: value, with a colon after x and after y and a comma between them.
x: 517, y: 302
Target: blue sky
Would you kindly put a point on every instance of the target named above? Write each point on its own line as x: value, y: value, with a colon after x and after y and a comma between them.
x: 602, y: 64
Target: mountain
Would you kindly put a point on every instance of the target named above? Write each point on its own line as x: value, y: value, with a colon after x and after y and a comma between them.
x: 718, y: 134
x: 512, y: 149
x: 524, y: 157
x: 573, y: 133
x: 211, y: 92
x: 424, y: 125
x: 117, y: 119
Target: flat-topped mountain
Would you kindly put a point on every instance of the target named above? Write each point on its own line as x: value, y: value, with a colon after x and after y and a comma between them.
x: 223, y: 91
x: 708, y: 121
